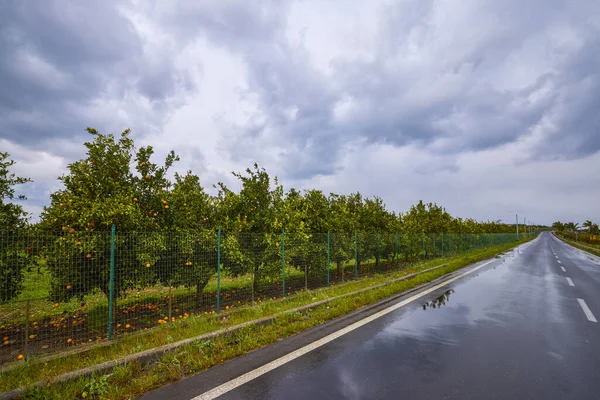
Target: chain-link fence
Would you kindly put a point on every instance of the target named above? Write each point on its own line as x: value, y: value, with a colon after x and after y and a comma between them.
x: 61, y: 290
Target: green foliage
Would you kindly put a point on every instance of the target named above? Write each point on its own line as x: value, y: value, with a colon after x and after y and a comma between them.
x: 103, y: 190
x: 167, y: 225
x: 15, y: 251
x: 95, y: 386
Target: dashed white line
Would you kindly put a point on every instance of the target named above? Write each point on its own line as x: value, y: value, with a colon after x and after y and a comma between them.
x: 563, y: 269
x: 570, y: 282
x: 587, y: 311
x: 559, y: 261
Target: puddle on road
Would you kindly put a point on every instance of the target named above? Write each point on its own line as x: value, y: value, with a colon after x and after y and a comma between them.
x: 439, y: 301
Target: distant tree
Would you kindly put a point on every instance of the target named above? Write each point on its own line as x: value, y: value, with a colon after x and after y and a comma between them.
x: 572, y: 226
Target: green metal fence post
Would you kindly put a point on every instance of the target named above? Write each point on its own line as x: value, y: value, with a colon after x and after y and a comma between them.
x: 410, y: 255
x: 328, y: 256
x: 111, y: 282
x: 219, y: 270
x: 397, y: 258
x: 27, y: 313
x: 442, y: 244
x: 355, y: 255
x: 378, y: 249
x: 282, y: 263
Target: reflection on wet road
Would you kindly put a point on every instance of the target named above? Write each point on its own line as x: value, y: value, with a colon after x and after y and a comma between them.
x: 514, y: 329
x: 439, y: 301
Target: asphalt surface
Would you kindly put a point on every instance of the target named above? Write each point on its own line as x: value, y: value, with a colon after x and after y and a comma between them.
x: 522, y: 327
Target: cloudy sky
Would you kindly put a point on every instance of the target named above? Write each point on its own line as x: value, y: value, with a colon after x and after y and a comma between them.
x: 490, y: 108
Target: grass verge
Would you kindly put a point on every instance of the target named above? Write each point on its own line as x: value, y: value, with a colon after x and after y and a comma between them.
x: 133, y: 379
x: 590, y: 249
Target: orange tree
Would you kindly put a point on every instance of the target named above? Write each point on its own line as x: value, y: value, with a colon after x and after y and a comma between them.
x: 190, y: 253
x: 255, y: 244
x: 342, y: 226
x: 97, y: 192
x: 305, y: 248
x: 315, y: 219
x: 15, y: 250
x: 102, y: 190
x: 378, y: 225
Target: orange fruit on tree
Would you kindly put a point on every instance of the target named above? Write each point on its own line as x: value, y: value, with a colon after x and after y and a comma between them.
x: 20, y: 357
x: 72, y: 230
x: 155, y: 214
x: 143, y: 163
x: 166, y: 206
x: 69, y: 340
x: 31, y: 337
x: 127, y: 326
x: 135, y: 199
x: 147, y: 176
x: 64, y: 228
x: 56, y: 305
x: 69, y: 287
x: 148, y: 265
x: 88, y: 255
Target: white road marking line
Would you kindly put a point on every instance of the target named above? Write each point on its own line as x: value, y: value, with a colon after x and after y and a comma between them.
x: 247, y: 377
x: 563, y: 269
x: 559, y: 261
x: 570, y: 282
x: 587, y: 311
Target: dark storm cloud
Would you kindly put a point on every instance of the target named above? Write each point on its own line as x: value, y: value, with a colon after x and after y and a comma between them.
x: 449, y: 84
x: 456, y: 94
x: 61, y: 57
x: 575, y: 112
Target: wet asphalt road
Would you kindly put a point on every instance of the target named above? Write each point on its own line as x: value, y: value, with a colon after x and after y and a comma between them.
x: 515, y: 329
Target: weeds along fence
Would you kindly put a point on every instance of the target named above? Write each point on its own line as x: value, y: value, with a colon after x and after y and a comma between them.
x: 62, y: 290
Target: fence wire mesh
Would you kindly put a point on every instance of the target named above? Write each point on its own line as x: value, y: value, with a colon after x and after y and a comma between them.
x: 67, y: 289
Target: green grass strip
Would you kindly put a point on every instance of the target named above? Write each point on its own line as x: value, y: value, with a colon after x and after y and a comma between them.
x: 590, y: 249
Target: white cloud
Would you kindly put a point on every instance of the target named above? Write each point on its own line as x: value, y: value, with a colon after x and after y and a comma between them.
x: 482, y: 106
